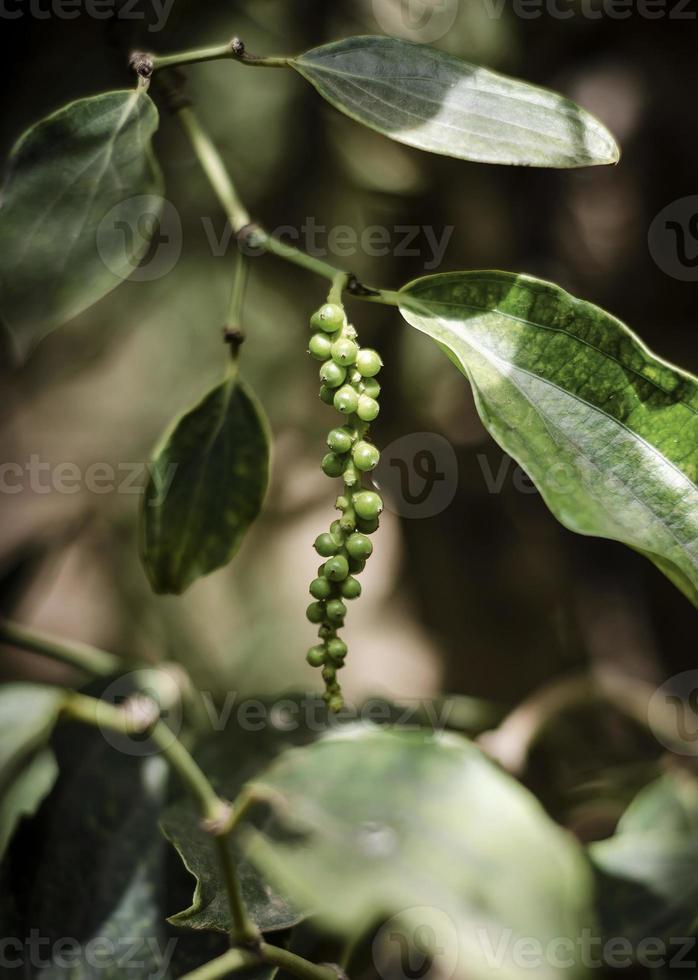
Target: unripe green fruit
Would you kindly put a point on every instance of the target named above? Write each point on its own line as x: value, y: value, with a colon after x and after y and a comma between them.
x: 326, y: 632
x: 337, y: 649
x: 351, y: 588
x: 315, y: 612
x: 320, y: 346
x: 329, y: 674
x: 316, y: 656
x: 332, y: 374
x: 325, y: 545
x: 326, y: 395
x: 333, y: 465
x: 335, y: 531
x: 346, y: 400
x: 337, y: 568
x: 320, y: 588
x: 367, y: 527
x: 359, y: 546
x: 329, y: 318
x: 368, y: 505
x: 366, y: 457
x: 344, y: 351
x: 336, y: 610
x: 339, y: 440
x: 354, y: 377
x: 336, y: 703
x: 356, y: 565
x: 371, y: 387
x: 368, y: 408
x: 368, y: 363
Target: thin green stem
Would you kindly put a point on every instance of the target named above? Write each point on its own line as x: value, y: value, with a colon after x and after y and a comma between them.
x: 86, y: 658
x: 339, y: 284
x: 216, y: 52
x: 214, y: 168
x: 238, y: 959
x: 244, y: 930
x: 230, y: 962
x: 241, y: 274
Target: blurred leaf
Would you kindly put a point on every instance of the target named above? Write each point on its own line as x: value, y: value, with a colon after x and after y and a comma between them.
x: 80, y: 202
x: 208, y: 479
x: 209, y: 909
x: 425, y: 98
x: 28, y: 713
x: 607, y: 431
x: 403, y: 819
x: 649, y: 868
x: 23, y: 796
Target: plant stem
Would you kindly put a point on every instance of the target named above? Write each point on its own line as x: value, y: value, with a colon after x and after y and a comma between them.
x: 238, y: 959
x: 86, y: 658
x: 213, y: 809
x: 258, y: 238
x: 214, y: 168
x: 218, y: 52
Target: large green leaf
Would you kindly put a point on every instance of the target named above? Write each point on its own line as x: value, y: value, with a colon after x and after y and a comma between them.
x: 649, y: 868
x: 375, y: 823
x: 81, y: 196
x: 607, y: 431
x: 208, y: 478
x: 28, y: 714
x: 425, y: 98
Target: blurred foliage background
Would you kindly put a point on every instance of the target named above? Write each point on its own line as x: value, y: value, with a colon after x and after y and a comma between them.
x: 490, y: 598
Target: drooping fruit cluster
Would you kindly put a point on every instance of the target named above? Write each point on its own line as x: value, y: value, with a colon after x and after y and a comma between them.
x: 348, y: 382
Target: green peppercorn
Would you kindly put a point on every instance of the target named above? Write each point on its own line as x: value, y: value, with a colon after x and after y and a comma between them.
x: 351, y: 588
x: 316, y: 611
x: 368, y: 363
x: 354, y: 378
x: 329, y: 675
x: 320, y: 346
x: 346, y: 400
x: 336, y: 611
x: 339, y: 440
x: 336, y: 649
x: 359, y: 546
x: 336, y: 703
x: 325, y: 545
x: 367, y: 409
x: 367, y: 527
x: 332, y: 375
x: 356, y: 565
x: 371, y: 387
x: 337, y: 568
x: 335, y: 531
x: 367, y: 504
x: 333, y: 465
x: 320, y: 588
x: 344, y: 351
x: 366, y: 457
x: 326, y: 395
x: 316, y: 656
x: 329, y: 318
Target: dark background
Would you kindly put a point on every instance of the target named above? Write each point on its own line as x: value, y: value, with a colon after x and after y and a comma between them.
x: 489, y: 598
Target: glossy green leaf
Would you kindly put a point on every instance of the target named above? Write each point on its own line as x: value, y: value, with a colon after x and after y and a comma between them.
x: 81, y: 198
x: 607, y: 431
x: 649, y: 869
x: 426, y: 98
x: 208, y: 479
x: 374, y: 823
